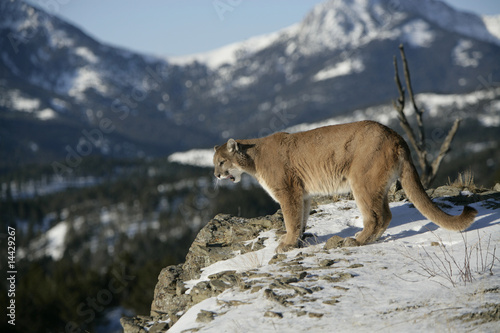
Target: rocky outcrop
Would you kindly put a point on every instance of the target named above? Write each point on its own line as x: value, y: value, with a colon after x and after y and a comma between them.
x: 225, y: 237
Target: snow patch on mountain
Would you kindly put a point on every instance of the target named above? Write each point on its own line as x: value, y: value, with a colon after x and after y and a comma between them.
x: 464, y: 55
x: 21, y: 102
x: 346, y: 67
x: 46, y: 114
x: 230, y: 54
x: 75, y: 84
x: 87, y: 54
x: 492, y: 23
x: 448, y: 18
x: 244, y: 81
x: 196, y: 157
x: 437, y: 106
x: 417, y: 33
x: 51, y: 244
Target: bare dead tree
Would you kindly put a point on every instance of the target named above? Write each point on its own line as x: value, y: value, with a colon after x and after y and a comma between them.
x: 429, y: 168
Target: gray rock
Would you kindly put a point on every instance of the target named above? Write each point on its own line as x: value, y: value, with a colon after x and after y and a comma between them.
x: 315, y: 315
x: 277, y: 258
x: 272, y: 314
x: 205, y: 316
x: 272, y: 296
x: 159, y: 327
x: 326, y: 262
x: 220, y: 239
x: 334, y: 242
x: 446, y: 191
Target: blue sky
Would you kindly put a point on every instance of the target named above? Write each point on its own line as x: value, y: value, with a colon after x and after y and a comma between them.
x: 179, y: 27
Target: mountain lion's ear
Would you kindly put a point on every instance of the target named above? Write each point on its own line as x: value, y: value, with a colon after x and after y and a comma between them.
x: 232, y: 146
x: 216, y: 147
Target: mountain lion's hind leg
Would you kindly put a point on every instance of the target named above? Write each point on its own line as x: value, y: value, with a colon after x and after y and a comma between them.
x: 305, y: 214
x: 372, y: 207
x: 386, y: 219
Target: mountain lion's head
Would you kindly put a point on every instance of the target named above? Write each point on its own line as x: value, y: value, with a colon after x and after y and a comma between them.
x: 231, y: 160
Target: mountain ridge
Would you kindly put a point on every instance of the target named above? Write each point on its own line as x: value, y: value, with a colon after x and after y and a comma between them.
x: 478, y: 27
x: 59, y: 83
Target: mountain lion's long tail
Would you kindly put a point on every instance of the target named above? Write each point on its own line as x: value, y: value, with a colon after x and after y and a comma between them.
x: 416, y: 193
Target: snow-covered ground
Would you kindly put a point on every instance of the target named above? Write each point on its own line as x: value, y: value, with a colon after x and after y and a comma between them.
x: 409, y: 281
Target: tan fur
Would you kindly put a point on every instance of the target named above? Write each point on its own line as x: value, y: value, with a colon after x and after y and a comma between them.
x: 364, y: 157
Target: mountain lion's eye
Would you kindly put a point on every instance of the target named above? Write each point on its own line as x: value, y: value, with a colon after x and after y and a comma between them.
x: 221, y: 163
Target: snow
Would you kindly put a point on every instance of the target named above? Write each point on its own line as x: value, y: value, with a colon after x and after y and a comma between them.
x: 417, y: 33
x: 343, y: 25
x: 231, y: 53
x: 86, y: 54
x: 390, y: 290
x: 83, y: 79
x: 196, y: 157
x: 46, y: 114
x: 241, y: 263
x: 490, y: 120
x: 20, y: 102
x: 51, y: 244
x: 463, y: 56
x: 244, y: 81
x: 56, y: 236
x: 492, y: 24
x: 492, y: 116
x: 342, y: 68
x: 450, y: 19
x: 437, y: 106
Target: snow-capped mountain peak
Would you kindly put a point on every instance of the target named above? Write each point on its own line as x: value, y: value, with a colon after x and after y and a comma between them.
x: 341, y: 24
x: 344, y: 24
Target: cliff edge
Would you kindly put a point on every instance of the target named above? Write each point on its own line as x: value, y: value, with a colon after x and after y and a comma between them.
x: 233, y: 281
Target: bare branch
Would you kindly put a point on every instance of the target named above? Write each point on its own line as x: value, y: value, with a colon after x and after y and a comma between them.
x: 418, y: 112
x: 445, y: 148
x: 403, y: 121
x: 429, y: 170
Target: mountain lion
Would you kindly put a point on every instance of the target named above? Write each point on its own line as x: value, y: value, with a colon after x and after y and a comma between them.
x: 364, y: 157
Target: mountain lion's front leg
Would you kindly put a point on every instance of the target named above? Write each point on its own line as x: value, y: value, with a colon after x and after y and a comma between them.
x: 292, y: 208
